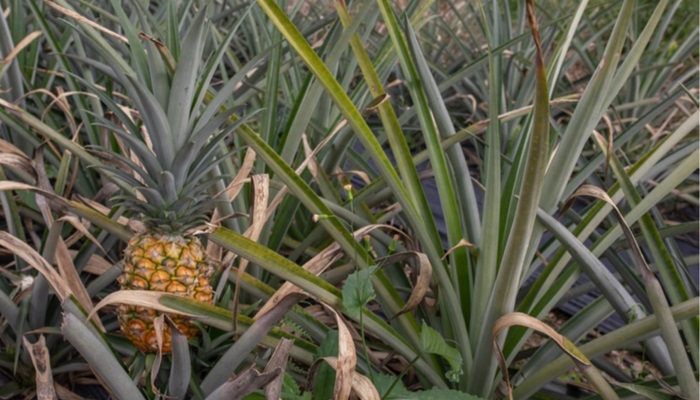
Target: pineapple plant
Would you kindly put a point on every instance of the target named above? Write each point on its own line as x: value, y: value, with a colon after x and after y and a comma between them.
x: 173, y: 142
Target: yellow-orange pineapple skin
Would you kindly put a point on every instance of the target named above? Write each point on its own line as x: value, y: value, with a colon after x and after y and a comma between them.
x: 164, y: 263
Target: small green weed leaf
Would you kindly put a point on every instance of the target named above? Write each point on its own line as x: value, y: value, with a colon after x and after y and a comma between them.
x: 329, y: 346
x: 325, y: 377
x: 305, y: 396
x: 440, y: 394
x: 432, y: 342
x: 358, y: 291
x: 290, y: 389
x: 384, y: 383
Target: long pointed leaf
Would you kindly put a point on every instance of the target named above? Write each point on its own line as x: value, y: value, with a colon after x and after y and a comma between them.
x: 99, y: 358
x: 183, y: 90
x: 514, y: 259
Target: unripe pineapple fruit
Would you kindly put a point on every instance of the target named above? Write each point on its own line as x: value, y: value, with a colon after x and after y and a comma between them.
x: 164, y: 263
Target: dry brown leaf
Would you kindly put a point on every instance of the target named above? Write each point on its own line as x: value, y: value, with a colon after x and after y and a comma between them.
x: 95, y: 265
x: 69, y: 273
x: 14, y: 157
x: 314, y: 167
x: 273, y: 390
x: 320, y: 262
x: 163, y: 50
x: 375, y: 103
x: 42, y: 365
x: 594, y: 191
x: 242, y: 176
x: 60, y: 100
x: 346, y: 361
x: 361, y: 174
x: 11, y: 185
x: 361, y: 385
x: 144, y: 298
x: 158, y: 327
x: 80, y: 227
x: 214, y: 251
x: 521, y: 319
x: 528, y: 321
x: 261, y: 192
x: 17, y: 162
x: 20, y: 46
x: 9, y: 148
x: 63, y: 259
x: 244, y: 383
x: 85, y: 21
x: 590, y: 191
x: 461, y: 243
x: 37, y: 262
x: 422, y: 285
x: 310, y: 155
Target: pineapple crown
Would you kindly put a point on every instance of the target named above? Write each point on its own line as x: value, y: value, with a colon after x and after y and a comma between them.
x: 176, y: 141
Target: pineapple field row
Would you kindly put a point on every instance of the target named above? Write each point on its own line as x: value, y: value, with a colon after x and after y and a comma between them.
x: 422, y: 199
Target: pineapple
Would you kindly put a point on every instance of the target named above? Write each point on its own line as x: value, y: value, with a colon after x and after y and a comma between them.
x: 164, y: 262
x: 174, y: 141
